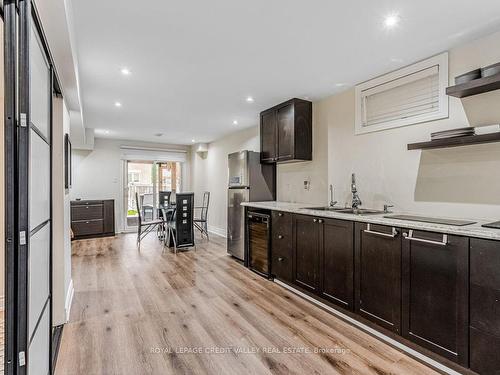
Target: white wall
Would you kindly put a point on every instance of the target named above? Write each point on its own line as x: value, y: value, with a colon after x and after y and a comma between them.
x: 61, y: 242
x: 97, y: 174
x: 210, y: 173
x: 455, y: 182
x: 291, y: 177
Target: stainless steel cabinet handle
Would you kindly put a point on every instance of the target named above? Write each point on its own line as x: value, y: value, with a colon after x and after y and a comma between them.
x: 281, y: 259
x: 87, y: 222
x: 320, y: 221
x: 315, y: 220
x: 391, y: 235
x: 410, y: 237
x: 280, y: 236
x: 280, y: 214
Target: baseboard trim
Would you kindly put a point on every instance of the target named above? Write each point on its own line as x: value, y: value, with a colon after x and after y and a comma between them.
x: 431, y: 362
x: 69, y: 299
x: 218, y: 231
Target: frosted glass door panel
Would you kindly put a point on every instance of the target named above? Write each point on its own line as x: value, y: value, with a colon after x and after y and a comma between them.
x: 39, y: 350
x: 39, y: 180
x: 38, y: 271
x: 40, y: 86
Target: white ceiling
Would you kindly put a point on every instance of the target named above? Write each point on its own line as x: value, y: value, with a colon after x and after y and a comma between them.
x: 193, y: 63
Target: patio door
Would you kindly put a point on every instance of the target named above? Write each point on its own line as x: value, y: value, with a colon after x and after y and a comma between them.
x: 147, y: 179
x: 28, y: 114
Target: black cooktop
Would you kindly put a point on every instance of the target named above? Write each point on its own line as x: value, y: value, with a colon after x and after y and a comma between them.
x: 495, y: 225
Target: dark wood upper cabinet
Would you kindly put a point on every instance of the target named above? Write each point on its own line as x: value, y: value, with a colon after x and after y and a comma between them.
x: 435, y: 283
x: 286, y: 132
x: 337, y: 262
x: 378, y: 275
x: 281, y: 245
x: 306, y: 248
x: 484, y: 306
x: 268, y: 137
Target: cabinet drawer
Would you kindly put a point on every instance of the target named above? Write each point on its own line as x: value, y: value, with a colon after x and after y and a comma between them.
x: 282, y: 224
x: 281, y: 265
x: 485, y: 263
x: 484, y: 348
x: 87, y: 212
x: 485, y: 309
x: 87, y: 227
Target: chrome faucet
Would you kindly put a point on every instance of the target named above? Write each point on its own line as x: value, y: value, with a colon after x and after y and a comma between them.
x: 356, y: 201
x: 332, y: 202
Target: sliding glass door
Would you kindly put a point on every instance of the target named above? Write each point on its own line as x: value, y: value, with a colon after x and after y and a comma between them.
x: 145, y: 180
x: 28, y: 132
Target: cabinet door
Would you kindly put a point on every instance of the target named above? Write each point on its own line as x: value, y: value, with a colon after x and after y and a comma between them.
x: 286, y: 132
x: 109, y: 216
x: 306, y: 251
x: 337, y: 262
x: 268, y: 135
x: 378, y: 275
x: 281, y: 249
x: 435, y: 293
x: 484, y: 306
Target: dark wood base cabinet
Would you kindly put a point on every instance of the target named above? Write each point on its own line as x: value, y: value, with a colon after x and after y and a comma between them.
x: 281, y: 243
x: 436, y: 292
x: 306, y: 248
x: 93, y: 218
x: 485, y: 306
x: 378, y: 275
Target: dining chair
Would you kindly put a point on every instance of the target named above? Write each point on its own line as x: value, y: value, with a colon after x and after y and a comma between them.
x: 145, y: 227
x: 201, y: 222
x: 179, y: 228
x: 147, y: 205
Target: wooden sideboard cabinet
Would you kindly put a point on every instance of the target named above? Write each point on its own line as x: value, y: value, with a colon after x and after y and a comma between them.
x: 93, y: 218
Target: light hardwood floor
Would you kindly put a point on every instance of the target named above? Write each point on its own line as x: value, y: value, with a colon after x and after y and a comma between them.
x: 135, y: 311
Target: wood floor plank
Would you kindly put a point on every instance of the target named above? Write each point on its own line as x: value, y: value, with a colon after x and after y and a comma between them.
x: 201, y: 312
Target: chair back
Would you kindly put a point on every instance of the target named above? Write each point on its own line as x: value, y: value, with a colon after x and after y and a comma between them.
x: 138, y: 206
x: 204, y: 206
x: 164, y: 198
x: 147, y: 199
x: 184, y: 210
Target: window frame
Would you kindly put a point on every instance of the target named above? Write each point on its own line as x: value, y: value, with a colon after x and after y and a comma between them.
x: 440, y: 60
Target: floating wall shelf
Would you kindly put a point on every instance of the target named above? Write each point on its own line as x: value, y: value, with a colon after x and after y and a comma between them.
x: 474, y: 87
x: 456, y: 141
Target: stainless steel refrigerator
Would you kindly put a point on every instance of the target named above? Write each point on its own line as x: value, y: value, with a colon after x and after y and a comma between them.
x: 249, y: 181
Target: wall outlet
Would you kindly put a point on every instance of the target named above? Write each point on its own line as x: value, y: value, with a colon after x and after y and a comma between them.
x: 307, y: 184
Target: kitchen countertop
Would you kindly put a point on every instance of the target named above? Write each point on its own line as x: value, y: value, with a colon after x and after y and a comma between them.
x: 473, y: 230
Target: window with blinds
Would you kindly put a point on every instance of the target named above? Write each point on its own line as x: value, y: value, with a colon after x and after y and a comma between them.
x: 408, y: 96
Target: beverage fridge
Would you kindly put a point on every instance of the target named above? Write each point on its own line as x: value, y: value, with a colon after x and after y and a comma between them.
x: 249, y: 181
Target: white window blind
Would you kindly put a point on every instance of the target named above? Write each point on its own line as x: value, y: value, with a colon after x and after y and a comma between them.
x: 152, y: 154
x: 412, y: 95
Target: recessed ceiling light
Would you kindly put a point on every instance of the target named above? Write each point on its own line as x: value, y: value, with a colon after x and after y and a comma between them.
x: 391, y: 20
x: 106, y: 131
x: 125, y: 71
x: 396, y: 60
x: 250, y: 99
x: 340, y: 84
x: 235, y: 122
x: 118, y: 104
x: 193, y: 140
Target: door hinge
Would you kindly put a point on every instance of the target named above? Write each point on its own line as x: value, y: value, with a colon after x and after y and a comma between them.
x: 24, y: 120
x: 22, y: 359
x: 22, y: 238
